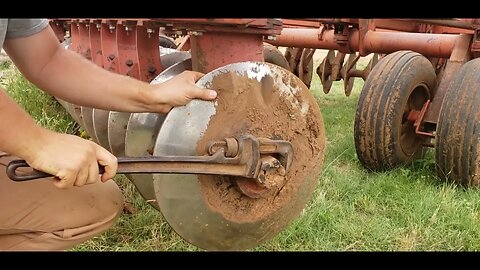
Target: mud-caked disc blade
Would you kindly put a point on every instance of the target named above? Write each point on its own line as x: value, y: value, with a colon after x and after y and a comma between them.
x: 255, y: 98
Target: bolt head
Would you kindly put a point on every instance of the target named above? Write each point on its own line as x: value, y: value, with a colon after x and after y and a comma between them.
x: 195, y: 33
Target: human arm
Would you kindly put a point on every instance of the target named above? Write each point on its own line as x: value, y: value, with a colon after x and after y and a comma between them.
x: 73, y: 160
x: 69, y: 76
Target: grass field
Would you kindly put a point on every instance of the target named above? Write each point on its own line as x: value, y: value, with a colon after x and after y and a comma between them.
x: 352, y: 209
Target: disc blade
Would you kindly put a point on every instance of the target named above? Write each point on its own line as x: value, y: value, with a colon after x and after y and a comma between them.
x: 254, y: 98
x: 100, y: 127
x: 116, y: 127
x: 142, y: 130
x: 86, y: 115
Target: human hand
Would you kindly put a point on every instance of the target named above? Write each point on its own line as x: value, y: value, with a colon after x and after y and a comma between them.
x: 178, y: 91
x: 73, y: 160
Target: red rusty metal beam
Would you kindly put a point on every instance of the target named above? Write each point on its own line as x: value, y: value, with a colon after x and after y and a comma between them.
x: 438, y: 29
x: 212, y: 50
x: 405, y: 25
x: 364, y: 25
x: 306, y: 38
x: 301, y: 23
x: 387, y: 24
x: 95, y: 43
x: 366, y: 36
x: 83, y: 46
x: 392, y: 24
x: 260, y: 22
x: 127, y: 50
x: 460, y: 55
x: 184, y: 44
x: 148, y: 53
x: 454, y: 23
x: 270, y: 26
x: 435, y: 45
x: 175, y: 25
x: 252, y: 26
x: 74, y: 37
x: 109, y: 46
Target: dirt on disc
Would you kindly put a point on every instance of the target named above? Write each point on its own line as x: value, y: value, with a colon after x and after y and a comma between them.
x: 268, y: 109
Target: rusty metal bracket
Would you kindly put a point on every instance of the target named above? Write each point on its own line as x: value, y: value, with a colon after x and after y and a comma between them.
x: 95, y: 42
x: 127, y: 49
x: 109, y: 46
x: 147, y: 43
x: 364, y: 25
x: 419, y: 120
x: 184, y: 44
x: 476, y: 43
x: 460, y: 55
x: 342, y: 36
x: 321, y: 31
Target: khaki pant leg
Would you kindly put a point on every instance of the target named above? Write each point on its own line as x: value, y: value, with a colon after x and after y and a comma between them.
x: 35, y: 215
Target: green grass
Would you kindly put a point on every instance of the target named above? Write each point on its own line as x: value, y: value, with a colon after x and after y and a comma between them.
x: 407, y: 208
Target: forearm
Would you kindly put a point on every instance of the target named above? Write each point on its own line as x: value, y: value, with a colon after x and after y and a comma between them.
x: 72, y: 78
x: 69, y: 76
x: 46, y: 150
x: 19, y: 134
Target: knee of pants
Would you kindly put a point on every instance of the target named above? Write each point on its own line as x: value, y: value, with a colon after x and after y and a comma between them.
x: 113, y: 202
x: 101, y: 209
x: 101, y: 203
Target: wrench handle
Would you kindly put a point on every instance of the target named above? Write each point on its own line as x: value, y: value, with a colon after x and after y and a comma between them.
x: 35, y: 174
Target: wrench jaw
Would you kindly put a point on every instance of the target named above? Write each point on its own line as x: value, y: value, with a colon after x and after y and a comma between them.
x: 270, y: 179
x: 267, y: 162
